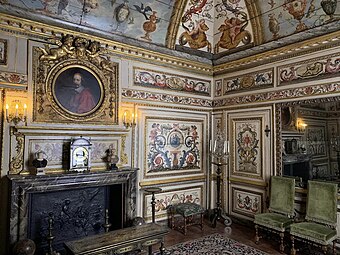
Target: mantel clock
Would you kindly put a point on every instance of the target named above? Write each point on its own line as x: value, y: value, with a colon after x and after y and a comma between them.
x: 80, y: 154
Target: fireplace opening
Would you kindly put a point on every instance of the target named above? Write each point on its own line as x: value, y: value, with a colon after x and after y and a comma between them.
x: 76, y: 213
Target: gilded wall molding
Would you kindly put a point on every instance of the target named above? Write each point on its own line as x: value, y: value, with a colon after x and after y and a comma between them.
x: 17, y: 162
x: 164, y: 98
x: 255, y: 20
x: 308, y: 91
x: 56, y: 98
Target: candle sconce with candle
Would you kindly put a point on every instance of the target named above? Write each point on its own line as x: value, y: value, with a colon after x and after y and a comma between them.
x: 129, y: 119
x: 16, y: 112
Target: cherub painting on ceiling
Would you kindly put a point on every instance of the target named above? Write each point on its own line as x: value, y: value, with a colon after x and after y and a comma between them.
x: 194, y: 22
x: 234, y: 26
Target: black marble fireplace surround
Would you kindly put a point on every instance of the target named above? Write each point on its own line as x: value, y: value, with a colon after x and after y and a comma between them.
x: 75, y: 201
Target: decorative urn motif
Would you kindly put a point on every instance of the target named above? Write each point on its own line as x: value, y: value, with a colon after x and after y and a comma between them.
x: 329, y: 7
x: 296, y: 8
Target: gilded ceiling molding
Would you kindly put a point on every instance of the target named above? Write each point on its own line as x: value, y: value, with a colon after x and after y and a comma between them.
x: 313, y: 90
x: 30, y: 28
x: 164, y: 98
x: 170, y: 40
x: 256, y: 24
x: 285, y: 52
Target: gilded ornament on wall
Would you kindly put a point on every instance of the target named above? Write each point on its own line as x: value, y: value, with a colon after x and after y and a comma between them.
x: 75, y: 82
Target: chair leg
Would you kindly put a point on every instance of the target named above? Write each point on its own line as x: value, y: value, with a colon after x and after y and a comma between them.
x: 334, y: 247
x: 172, y: 221
x: 292, y: 250
x: 282, y: 247
x: 201, y: 221
x: 324, y: 249
x: 185, y: 226
x: 257, y: 238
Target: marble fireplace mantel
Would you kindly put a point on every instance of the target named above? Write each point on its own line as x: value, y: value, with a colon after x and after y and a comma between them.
x: 22, y: 186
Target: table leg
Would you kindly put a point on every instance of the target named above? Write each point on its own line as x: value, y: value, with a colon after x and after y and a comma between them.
x: 150, y: 250
x: 162, y: 249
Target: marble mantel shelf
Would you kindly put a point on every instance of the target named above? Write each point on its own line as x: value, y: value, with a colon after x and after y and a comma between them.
x: 22, y: 186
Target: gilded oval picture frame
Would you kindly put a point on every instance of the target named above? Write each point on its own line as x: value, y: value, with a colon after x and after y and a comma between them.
x: 77, y: 90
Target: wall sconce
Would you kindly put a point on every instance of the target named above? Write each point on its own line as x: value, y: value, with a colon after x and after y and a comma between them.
x: 16, y: 112
x: 129, y: 120
x: 301, y: 126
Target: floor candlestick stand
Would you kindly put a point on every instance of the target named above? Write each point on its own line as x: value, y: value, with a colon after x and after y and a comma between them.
x: 218, y: 211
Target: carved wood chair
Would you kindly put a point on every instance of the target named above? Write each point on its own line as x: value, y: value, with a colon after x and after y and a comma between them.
x: 281, y: 209
x: 321, y: 217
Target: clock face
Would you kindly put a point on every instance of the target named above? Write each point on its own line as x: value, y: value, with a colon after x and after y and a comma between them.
x: 80, y: 157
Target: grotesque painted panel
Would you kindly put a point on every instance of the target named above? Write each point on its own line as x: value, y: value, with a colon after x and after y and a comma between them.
x: 172, y: 146
x: 245, y: 202
x: 316, y: 140
x: 154, y: 79
x: 311, y: 69
x: 165, y: 199
x: 249, y: 81
x: 247, y: 147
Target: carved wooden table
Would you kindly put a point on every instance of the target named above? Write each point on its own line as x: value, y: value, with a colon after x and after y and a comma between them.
x: 120, y: 241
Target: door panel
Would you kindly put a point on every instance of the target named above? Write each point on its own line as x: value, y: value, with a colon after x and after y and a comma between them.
x: 250, y: 161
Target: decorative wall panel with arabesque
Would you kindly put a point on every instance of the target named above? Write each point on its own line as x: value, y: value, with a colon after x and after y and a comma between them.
x: 172, y: 146
x: 57, y: 97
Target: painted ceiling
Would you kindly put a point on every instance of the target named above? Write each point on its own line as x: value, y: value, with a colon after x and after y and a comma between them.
x: 198, y: 27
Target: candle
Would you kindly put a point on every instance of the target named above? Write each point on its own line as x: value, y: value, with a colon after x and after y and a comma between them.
x: 7, y: 111
x: 124, y: 117
x: 210, y: 146
x: 133, y: 118
x: 225, y: 148
x: 25, y: 110
x: 16, y: 110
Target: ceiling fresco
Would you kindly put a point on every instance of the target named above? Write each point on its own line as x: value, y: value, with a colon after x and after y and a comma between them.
x: 191, y: 26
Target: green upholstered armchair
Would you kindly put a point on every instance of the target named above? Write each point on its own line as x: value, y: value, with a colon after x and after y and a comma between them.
x: 321, y: 216
x: 281, y: 209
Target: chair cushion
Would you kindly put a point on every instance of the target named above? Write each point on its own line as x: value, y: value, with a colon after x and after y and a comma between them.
x: 315, y: 232
x: 187, y: 209
x: 274, y: 221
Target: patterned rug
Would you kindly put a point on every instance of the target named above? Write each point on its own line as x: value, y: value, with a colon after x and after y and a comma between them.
x: 215, y: 244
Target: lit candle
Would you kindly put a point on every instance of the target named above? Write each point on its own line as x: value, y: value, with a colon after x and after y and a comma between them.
x: 16, y: 110
x: 133, y: 118
x: 124, y: 117
x: 25, y: 110
x: 7, y: 111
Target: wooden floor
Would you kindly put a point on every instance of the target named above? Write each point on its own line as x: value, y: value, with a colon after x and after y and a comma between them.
x: 237, y: 231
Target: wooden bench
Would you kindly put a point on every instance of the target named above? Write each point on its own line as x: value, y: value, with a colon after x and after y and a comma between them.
x: 120, y: 241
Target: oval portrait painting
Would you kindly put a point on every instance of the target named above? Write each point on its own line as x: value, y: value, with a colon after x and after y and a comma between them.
x: 77, y: 90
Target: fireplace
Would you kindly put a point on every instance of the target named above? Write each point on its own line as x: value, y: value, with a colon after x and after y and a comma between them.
x: 75, y: 202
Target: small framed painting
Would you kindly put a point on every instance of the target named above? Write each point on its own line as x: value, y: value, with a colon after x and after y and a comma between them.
x: 3, y: 52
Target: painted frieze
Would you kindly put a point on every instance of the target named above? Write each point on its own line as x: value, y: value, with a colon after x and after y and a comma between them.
x: 13, y: 78
x: 250, y: 81
x: 172, y: 146
x: 165, y: 98
x: 170, y: 197
x: 312, y: 90
x: 312, y: 69
x: 218, y: 88
x: 161, y: 80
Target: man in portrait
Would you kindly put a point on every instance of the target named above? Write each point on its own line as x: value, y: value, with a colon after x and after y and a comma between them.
x: 82, y: 101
